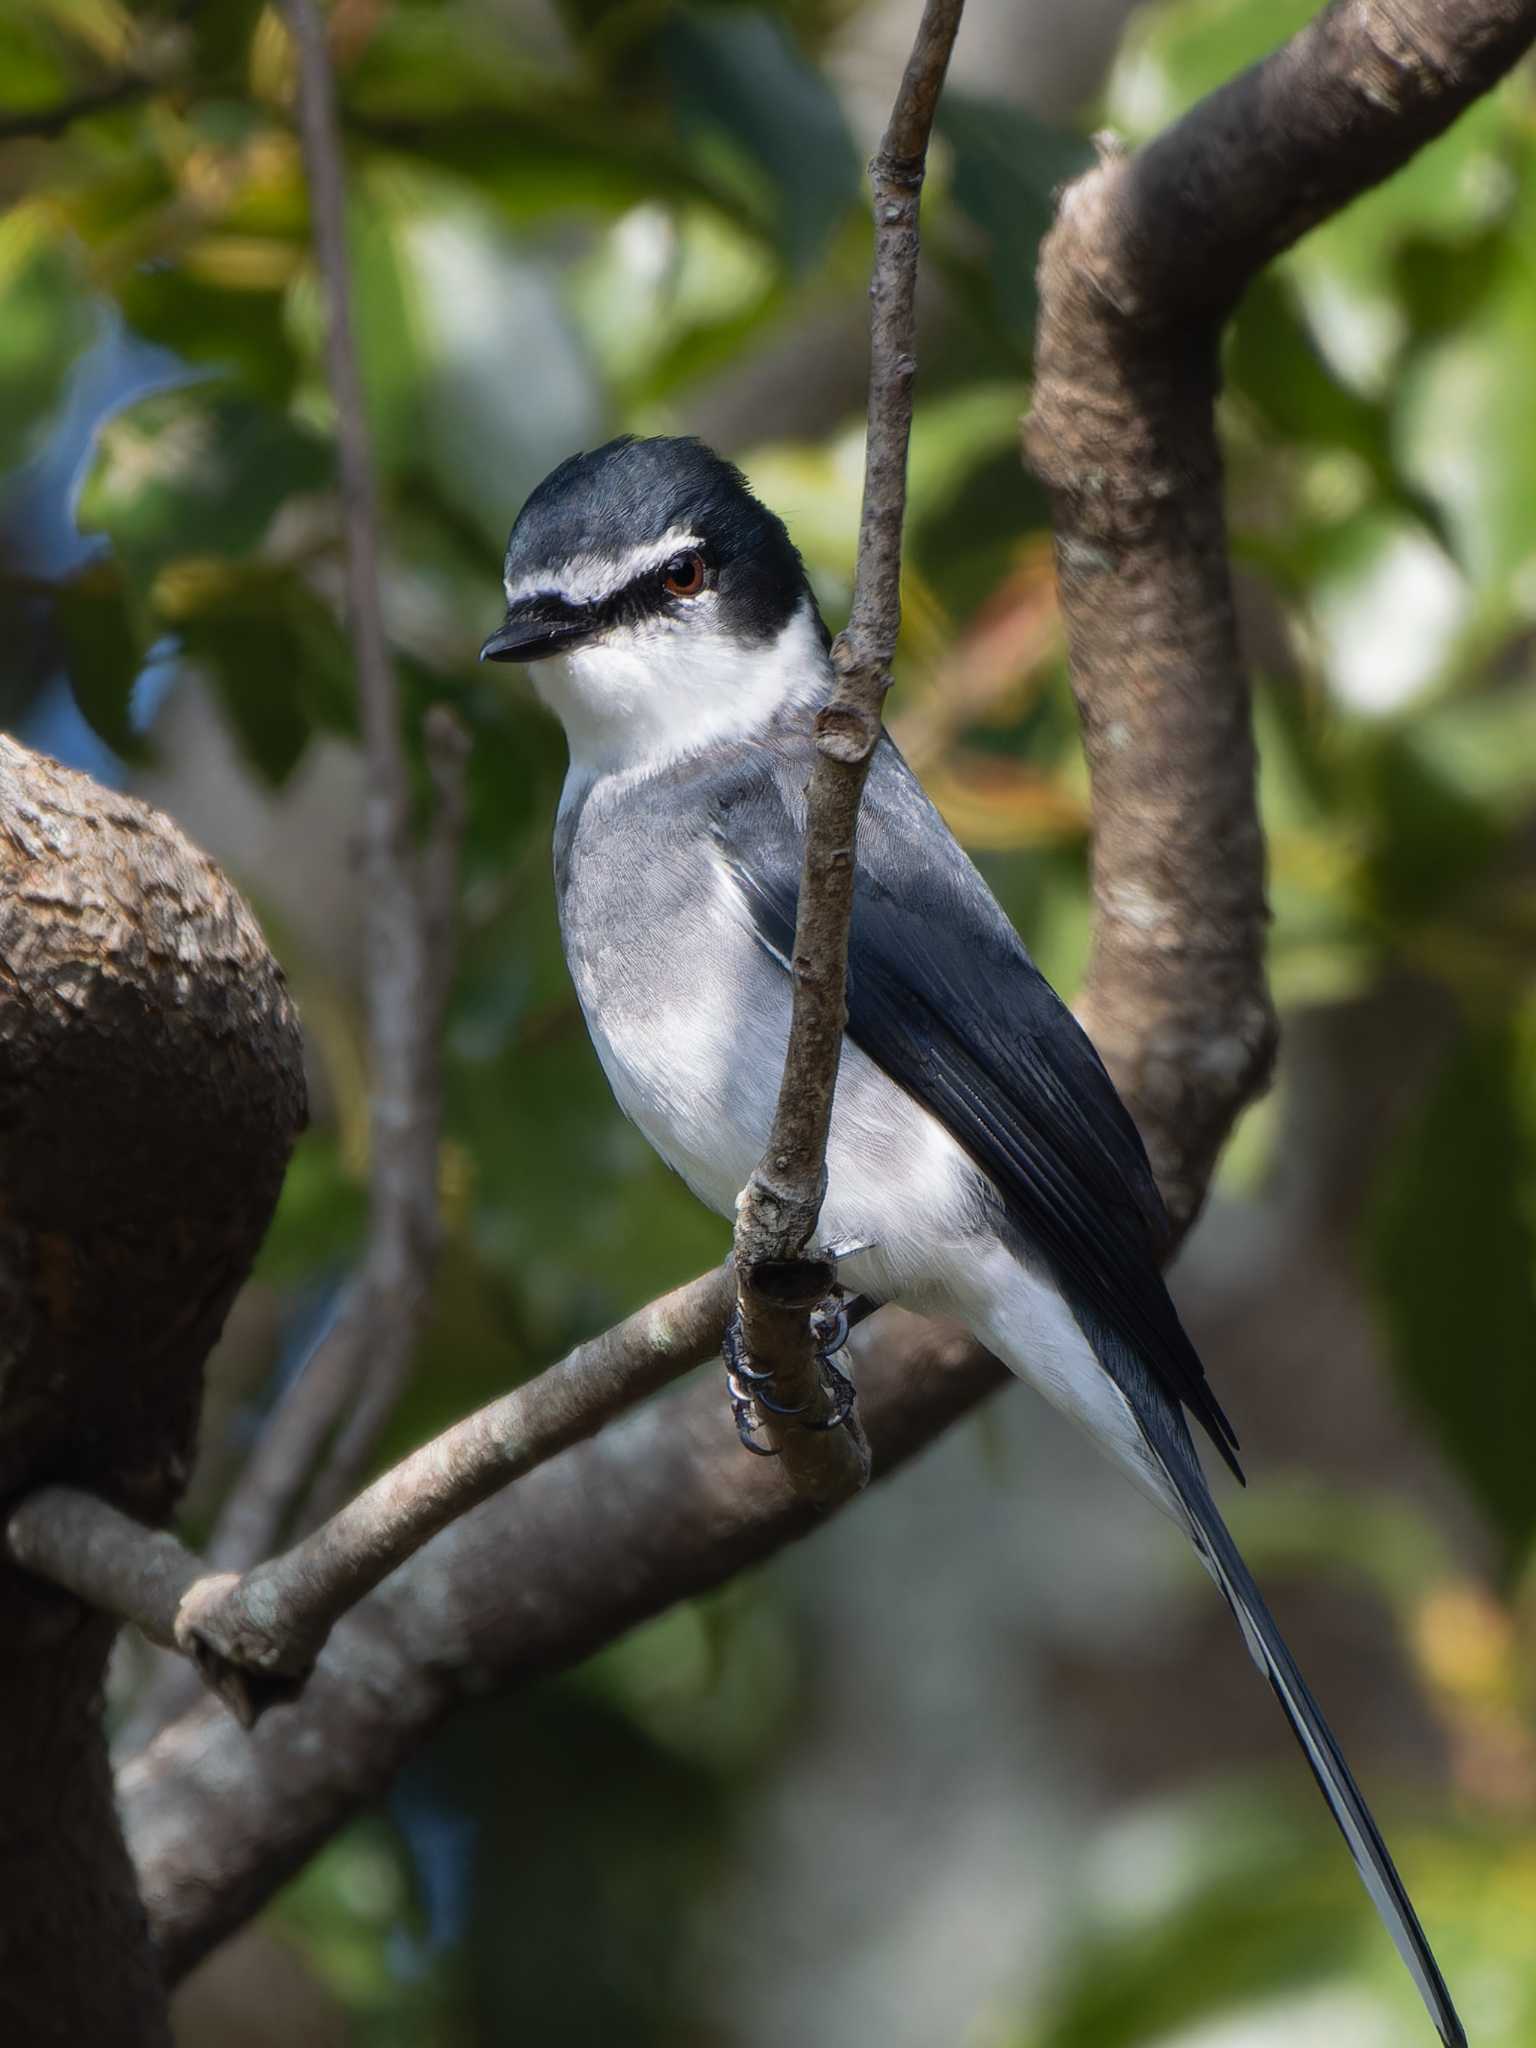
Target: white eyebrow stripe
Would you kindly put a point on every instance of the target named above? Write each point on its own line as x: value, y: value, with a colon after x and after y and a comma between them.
x: 588, y: 578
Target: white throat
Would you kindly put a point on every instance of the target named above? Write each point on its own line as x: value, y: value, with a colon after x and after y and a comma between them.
x: 644, y: 695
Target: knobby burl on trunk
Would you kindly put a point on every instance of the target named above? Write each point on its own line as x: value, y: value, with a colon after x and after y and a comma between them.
x: 151, y: 1087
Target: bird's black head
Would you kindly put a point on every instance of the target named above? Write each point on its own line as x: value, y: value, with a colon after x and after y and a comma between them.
x: 650, y: 540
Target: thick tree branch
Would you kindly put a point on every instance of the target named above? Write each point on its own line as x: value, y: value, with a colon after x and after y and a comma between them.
x: 780, y: 1206
x: 151, y: 1085
x: 1149, y: 255
x: 660, y: 1507
x: 664, y: 1506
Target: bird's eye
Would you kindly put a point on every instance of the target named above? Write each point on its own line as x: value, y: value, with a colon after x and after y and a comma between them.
x: 684, y: 575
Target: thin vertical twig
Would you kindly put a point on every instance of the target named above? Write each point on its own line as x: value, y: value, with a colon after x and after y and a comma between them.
x: 777, y: 1285
x: 407, y: 911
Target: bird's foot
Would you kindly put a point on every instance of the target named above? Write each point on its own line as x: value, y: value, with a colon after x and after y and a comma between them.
x: 749, y: 1388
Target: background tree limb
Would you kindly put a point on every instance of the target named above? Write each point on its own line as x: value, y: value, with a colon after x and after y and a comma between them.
x: 1149, y: 255
x: 663, y: 1505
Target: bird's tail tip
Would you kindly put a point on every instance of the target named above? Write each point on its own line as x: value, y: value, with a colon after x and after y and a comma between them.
x: 1318, y: 1744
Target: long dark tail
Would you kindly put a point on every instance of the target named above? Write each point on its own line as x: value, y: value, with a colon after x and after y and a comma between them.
x: 1267, y: 1647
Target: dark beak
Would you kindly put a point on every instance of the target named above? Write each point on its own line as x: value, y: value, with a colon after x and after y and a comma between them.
x: 532, y: 639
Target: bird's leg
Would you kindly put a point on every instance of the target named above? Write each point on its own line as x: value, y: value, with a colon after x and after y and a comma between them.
x: 736, y: 1370
x: 747, y: 1386
x: 829, y: 1328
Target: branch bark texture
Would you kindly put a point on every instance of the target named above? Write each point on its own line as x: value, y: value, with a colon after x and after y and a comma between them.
x: 1149, y: 255
x: 782, y: 1201
x: 151, y: 1086
x: 256, y: 1636
x: 660, y: 1507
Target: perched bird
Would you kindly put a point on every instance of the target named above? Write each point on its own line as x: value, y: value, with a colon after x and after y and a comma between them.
x: 980, y: 1165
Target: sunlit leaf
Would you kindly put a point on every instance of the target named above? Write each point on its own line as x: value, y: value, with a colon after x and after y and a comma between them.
x: 46, y: 319
x: 752, y: 100
x: 196, y: 472
x: 1173, y: 56
x: 1469, y: 430
x: 101, y: 628
x: 1008, y: 165
x: 273, y: 651
x: 478, y: 307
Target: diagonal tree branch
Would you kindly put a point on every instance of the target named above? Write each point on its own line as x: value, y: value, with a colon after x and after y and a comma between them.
x: 658, y: 1508
x: 778, y: 1212
x: 256, y: 1637
x: 1148, y: 253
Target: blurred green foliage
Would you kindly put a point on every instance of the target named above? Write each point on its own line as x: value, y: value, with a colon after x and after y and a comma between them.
x: 593, y: 216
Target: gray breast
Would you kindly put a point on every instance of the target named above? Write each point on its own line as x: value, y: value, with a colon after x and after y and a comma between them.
x: 689, y: 1018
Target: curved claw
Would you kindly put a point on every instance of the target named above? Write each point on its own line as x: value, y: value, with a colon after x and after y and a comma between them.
x: 830, y: 1327
x: 746, y: 1429
x: 843, y: 1392
x: 765, y: 1400
x: 734, y: 1352
x: 751, y: 1375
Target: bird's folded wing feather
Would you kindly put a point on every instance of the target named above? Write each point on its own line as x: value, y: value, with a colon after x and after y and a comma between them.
x: 943, y: 996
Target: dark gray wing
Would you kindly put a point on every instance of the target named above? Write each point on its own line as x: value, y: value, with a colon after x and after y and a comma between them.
x: 943, y: 996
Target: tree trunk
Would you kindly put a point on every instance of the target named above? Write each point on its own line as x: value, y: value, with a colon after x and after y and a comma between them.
x: 151, y: 1087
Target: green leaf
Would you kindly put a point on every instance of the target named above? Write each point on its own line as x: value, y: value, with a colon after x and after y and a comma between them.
x: 1007, y: 166
x: 47, y: 317
x: 561, y: 156
x: 277, y: 657
x: 1453, y: 1260
x: 104, y: 644
x: 321, y: 1215
x: 1273, y: 359
x: 1430, y: 840
x: 242, y: 333
x: 1173, y: 56
x: 32, y: 63
x: 477, y: 302
x: 1240, y: 1903
x: 195, y: 472
x: 221, y: 37
x: 766, y: 121
x: 1468, y: 412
